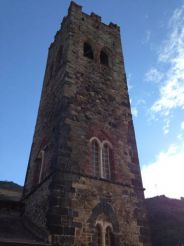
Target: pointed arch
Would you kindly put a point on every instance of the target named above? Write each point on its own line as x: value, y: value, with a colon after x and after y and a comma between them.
x: 88, y: 51
x: 106, y: 159
x: 105, y: 56
x: 104, y: 208
x: 104, y: 59
x: 98, y: 230
x: 95, y: 156
x: 101, y: 158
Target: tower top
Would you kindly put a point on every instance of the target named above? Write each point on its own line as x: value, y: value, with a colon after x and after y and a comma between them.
x: 74, y: 8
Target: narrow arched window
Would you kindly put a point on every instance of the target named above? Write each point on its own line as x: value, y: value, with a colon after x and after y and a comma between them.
x: 104, y: 58
x: 106, y: 161
x: 96, y: 157
x: 98, y: 235
x: 108, y: 237
x: 88, y: 52
x: 39, y: 166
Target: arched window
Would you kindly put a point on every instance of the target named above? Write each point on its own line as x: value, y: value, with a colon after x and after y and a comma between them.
x: 104, y: 233
x: 39, y: 167
x: 106, y: 161
x: 108, y: 237
x: 98, y: 235
x: 104, y: 58
x: 101, y: 156
x: 96, y: 157
x: 88, y: 52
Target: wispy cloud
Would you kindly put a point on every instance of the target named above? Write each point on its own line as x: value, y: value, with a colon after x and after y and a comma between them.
x: 129, y: 79
x: 166, y: 126
x: 182, y: 125
x: 154, y: 75
x: 171, y: 77
x: 134, y: 111
x: 141, y: 102
x: 165, y: 174
x: 147, y: 37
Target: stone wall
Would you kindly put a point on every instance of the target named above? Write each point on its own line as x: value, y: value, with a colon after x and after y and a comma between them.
x: 82, y: 200
x: 52, y: 111
x: 36, y: 209
x: 119, y: 204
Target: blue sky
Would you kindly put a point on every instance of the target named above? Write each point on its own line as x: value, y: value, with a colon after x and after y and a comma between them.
x: 153, y: 46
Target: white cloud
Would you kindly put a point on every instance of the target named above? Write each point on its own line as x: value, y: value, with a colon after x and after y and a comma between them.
x: 166, y: 126
x: 129, y: 78
x: 153, y: 75
x: 171, y: 55
x: 134, y: 111
x: 141, y: 102
x: 180, y: 137
x: 166, y: 174
x: 182, y: 125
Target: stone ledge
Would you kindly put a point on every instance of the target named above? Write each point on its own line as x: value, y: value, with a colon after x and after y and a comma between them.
x: 18, y: 242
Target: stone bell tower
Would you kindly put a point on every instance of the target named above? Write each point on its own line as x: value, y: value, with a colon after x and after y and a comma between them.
x: 83, y: 184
